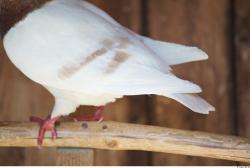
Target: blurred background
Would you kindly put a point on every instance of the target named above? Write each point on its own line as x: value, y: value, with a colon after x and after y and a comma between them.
x: 219, y: 27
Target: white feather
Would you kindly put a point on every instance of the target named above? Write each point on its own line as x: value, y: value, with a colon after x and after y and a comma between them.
x: 193, y: 102
x: 63, y: 33
x: 173, y: 53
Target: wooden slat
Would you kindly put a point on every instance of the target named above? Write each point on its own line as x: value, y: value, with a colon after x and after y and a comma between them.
x: 242, y: 43
x: 242, y: 62
x: 74, y: 157
x: 124, y: 136
x: 202, y: 23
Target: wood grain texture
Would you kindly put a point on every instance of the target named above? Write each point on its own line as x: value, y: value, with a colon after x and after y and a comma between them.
x: 74, y: 157
x: 241, y: 62
x: 123, y: 136
x: 242, y: 43
x: 206, y: 24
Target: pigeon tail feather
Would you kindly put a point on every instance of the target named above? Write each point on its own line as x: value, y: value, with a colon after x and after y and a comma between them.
x: 174, y: 54
x: 193, y: 102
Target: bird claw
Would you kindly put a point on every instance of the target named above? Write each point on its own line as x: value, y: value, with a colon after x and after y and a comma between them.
x: 45, y: 124
x: 48, y: 124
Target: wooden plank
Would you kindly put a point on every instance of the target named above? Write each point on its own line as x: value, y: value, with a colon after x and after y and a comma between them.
x: 242, y: 41
x: 206, y: 24
x: 75, y: 157
x: 124, y: 136
x: 5, y: 152
x: 242, y: 68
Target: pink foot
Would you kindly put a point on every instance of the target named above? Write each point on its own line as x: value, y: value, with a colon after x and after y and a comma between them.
x: 96, y: 117
x: 45, y: 124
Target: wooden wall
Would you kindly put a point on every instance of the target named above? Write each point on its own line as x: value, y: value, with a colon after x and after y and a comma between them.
x: 220, y: 27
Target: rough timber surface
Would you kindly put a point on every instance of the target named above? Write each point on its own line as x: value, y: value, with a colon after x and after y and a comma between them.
x: 122, y: 136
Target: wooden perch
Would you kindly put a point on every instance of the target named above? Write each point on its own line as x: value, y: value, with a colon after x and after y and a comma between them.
x: 121, y: 136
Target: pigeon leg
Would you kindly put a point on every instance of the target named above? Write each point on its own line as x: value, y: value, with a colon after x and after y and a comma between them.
x: 45, y: 124
x: 96, y: 117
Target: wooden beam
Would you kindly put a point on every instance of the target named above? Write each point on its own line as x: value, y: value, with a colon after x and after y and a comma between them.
x: 121, y: 136
x: 242, y: 60
x: 74, y: 157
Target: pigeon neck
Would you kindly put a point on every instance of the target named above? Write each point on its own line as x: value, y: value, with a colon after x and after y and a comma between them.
x: 11, y: 12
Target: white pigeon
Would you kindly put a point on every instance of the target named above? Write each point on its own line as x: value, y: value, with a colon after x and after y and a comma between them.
x: 84, y: 57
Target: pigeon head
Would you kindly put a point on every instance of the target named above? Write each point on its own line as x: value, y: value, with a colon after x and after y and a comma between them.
x: 12, y: 11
